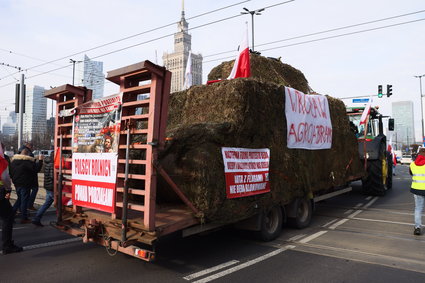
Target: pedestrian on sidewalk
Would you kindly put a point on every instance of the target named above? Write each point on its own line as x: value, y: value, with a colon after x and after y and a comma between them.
x: 34, y: 187
x: 48, y: 185
x: 6, y: 211
x: 22, y: 170
x: 417, y: 169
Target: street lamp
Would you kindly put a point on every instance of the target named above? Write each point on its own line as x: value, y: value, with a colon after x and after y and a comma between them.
x: 73, y: 68
x: 422, y: 110
x: 254, y: 12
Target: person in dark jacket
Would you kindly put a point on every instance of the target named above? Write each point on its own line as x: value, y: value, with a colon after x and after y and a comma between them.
x: 48, y: 185
x: 22, y: 170
x: 6, y: 211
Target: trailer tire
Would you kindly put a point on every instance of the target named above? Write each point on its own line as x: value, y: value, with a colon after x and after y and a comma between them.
x: 377, y: 175
x: 303, y: 213
x: 271, y: 223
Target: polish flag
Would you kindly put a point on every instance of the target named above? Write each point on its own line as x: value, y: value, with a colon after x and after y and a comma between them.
x: 366, y: 112
x: 242, y: 65
x: 4, y: 175
x: 188, y: 73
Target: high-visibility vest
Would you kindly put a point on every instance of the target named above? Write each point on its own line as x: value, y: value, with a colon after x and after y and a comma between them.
x: 418, y: 179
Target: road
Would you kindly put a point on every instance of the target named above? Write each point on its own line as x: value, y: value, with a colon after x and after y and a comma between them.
x: 352, y: 238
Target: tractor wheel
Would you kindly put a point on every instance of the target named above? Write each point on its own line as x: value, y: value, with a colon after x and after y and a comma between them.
x: 390, y: 171
x: 304, y: 212
x: 271, y: 223
x: 377, y: 175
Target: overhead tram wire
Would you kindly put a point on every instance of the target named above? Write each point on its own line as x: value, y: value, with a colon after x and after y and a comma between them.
x: 325, y: 31
x: 128, y: 37
x: 325, y: 38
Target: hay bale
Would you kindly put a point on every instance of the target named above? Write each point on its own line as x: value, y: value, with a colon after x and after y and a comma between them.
x: 248, y: 113
x: 268, y: 70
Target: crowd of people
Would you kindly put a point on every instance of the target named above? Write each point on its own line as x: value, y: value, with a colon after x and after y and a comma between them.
x: 22, y: 170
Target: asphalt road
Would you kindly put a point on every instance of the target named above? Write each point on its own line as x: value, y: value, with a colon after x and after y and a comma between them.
x: 352, y: 238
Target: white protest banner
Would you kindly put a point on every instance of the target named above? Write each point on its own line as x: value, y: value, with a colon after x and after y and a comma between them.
x: 93, y: 180
x: 308, y: 120
x: 246, y: 171
x: 96, y: 128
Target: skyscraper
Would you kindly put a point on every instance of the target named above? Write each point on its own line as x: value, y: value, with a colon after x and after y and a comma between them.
x: 404, y: 123
x: 176, y: 62
x: 89, y: 73
x: 35, y: 113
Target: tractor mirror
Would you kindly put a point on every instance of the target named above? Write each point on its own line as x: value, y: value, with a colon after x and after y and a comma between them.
x: 391, y: 124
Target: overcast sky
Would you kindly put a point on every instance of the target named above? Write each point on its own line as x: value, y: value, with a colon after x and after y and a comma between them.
x: 342, y: 63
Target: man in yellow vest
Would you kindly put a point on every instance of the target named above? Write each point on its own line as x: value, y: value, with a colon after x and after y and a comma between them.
x: 417, y: 170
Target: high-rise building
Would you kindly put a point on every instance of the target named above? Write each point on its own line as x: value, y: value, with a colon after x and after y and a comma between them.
x: 404, y: 132
x: 12, y: 117
x: 176, y: 62
x: 35, y: 112
x: 9, y: 129
x: 89, y: 73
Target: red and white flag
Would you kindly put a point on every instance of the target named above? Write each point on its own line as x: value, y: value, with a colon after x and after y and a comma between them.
x: 242, y: 65
x: 366, y: 112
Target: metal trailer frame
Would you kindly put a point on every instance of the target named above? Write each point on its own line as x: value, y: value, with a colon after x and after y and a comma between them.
x: 137, y: 221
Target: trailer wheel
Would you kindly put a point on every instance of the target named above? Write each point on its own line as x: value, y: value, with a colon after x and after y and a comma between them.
x: 303, y: 213
x: 271, y: 223
x: 377, y: 175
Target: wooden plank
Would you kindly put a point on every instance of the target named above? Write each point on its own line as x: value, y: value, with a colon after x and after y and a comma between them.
x: 136, y: 117
x: 138, y: 192
x: 136, y: 103
x: 65, y: 125
x: 132, y: 206
x: 132, y: 176
x: 135, y: 131
x: 71, y: 101
x: 138, y: 89
x: 135, y: 146
x: 132, y: 161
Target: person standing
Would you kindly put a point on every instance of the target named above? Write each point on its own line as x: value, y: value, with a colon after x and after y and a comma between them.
x: 22, y: 170
x: 34, y: 187
x: 48, y: 185
x: 417, y: 170
x: 6, y: 211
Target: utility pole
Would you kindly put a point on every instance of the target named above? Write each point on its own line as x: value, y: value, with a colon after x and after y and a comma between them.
x: 73, y: 68
x: 254, y: 12
x: 21, y: 110
x: 422, y: 110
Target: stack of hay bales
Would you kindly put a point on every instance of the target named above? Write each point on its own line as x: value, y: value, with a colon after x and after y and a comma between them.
x: 249, y: 113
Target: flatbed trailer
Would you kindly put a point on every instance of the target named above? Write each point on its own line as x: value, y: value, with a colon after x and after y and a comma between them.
x: 138, y: 221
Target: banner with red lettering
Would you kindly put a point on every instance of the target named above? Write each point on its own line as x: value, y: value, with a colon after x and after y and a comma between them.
x: 96, y: 128
x: 246, y: 171
x: 308, y: 120
x: 93, y: 180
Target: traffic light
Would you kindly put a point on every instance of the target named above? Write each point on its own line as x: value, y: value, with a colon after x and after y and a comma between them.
x: 389, y: 90
x: 379, y: 91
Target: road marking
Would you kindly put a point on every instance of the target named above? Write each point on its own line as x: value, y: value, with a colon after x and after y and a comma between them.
x: 382, y: 221
x: 329, y: 223
x: 354, y: 214
x: 16, y: 228
x: 349, y: 211
x: 296, y: 237
x: 369, y: 198
x: 244, y: 265
x: 340, y: 222
x: 210, y: 270
x: 51, y: 244
x: 371, y: 202
x: 312, y: 237
x: 358, y: 205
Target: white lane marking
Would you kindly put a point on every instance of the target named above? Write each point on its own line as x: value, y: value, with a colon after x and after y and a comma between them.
x: 358, y: 205
x: 244, y: 265
x: 355, y: 213
x: 369, y: 198
x: 297, y: 237
x: 312, y: 237
x: 16, y: 228
x: 340, y: 222
x: 51, y: 244
x: 210, y: 270
x: 371, y: 202
x: 349, y: 211
x: 382, y: 221
x: 329, y: 223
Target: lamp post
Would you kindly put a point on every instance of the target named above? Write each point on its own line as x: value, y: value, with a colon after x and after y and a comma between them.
x: 253, y: 12
x: 73, y: 68
x: 422, y: 110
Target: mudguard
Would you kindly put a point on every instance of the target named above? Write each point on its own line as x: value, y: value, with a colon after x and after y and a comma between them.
x: 372, y: 148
